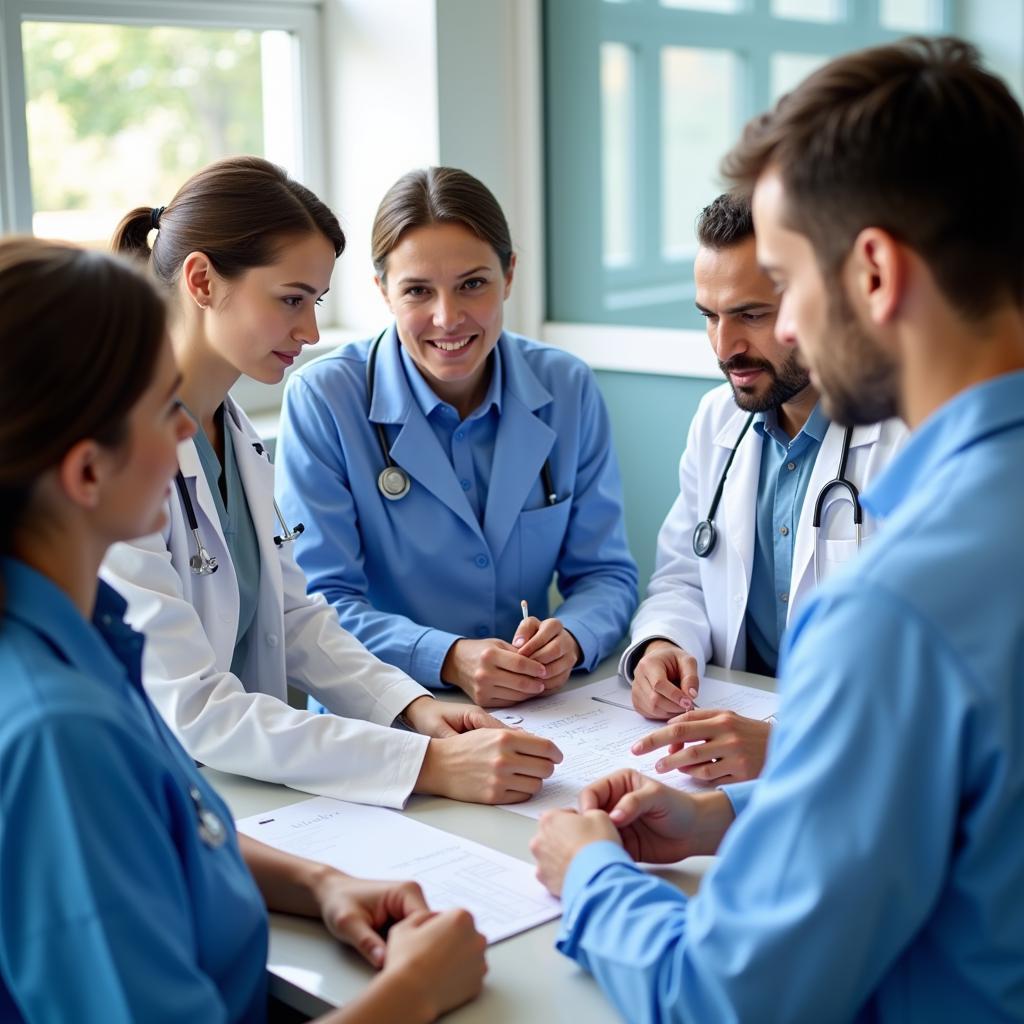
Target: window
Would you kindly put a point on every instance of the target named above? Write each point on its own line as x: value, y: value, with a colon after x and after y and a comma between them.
x: 113, y: 105
x: 643, y: 97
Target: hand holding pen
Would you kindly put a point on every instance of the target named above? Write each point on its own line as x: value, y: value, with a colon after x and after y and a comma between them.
x: 549, y: 643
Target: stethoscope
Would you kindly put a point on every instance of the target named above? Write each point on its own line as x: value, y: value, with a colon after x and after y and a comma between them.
x: 393, y: 481
x: 202, y: 563
x: 705, y: 536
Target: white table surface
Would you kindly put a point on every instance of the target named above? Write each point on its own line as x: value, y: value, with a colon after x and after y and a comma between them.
x: 528, y: 980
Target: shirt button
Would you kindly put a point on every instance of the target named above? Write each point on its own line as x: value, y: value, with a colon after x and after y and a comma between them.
x: 465, y: 484
x: 460, y: 435
x: 271, y: 639
x: 482, y: 631
x: 482, y: 561
x: 784, y: 530
x: 784, y: 598
x: 791, y: 466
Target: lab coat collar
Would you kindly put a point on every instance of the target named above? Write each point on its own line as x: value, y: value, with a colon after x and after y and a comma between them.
x: 106, y: 648
x: 982, y: 410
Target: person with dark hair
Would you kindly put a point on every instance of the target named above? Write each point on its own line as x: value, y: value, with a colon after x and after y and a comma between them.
x: 124, y: 890
x: 874, y: 871
x: 246, y: 254
x: 447, y: 470
x: 765, y: 434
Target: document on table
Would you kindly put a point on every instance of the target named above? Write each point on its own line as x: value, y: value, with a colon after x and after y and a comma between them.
x: 595, y: 725
x: 500, y: 891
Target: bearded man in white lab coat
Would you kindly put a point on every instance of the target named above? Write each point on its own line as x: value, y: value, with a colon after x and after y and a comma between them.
x: 725, y: 593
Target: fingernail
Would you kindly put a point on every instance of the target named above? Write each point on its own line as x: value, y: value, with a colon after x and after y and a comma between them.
x: 378, y: 956
x: 693, y: 692
x: 660, y: 766
x: 543, y: 672
x: 636, y: 748
x: 518, y: 642
x: 616, y: 815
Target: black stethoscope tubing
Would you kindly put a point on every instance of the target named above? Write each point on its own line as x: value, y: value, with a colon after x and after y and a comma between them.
x: 393, y: 482
x: 705, y: 536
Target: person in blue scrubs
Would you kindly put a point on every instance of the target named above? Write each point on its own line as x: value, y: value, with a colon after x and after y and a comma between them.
x: 124, y: 890
x: 874, y: 872
x: 498, y: 467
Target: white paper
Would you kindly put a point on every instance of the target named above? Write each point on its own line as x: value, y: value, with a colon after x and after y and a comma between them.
x: 501, y: 892
x: 595, y: 725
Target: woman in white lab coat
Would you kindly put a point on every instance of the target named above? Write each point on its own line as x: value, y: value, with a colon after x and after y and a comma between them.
x: 247, y: 253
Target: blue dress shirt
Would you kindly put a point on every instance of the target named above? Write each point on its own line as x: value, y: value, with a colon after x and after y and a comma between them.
x: 112, y: 908
x: 874, y: 872
x: 786, y: 468
x: 410, y: 577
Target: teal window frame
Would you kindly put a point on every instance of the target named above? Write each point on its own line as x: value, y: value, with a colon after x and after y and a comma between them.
x: 652, y: 290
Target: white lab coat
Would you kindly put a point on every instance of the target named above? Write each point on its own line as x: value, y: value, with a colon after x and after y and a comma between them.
x: 700, y: 604
x: 246, y: 726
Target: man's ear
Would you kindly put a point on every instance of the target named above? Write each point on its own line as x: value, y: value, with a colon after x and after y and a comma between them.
x: 197, y: 278
x: 876, y: 275
x: 82, y: 473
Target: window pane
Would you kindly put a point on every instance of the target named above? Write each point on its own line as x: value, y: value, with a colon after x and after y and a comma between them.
x: 721, y: 6
x: 790, y: 69
x: 698, y: 124
x: 809, y: 10
x: 119, y: 116
x: 618, y: 180
x: 910, y: 15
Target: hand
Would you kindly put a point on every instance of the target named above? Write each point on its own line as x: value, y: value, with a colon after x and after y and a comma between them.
x: 656, y: 824
x: 493, y: 673
x: 551, y: 644
x: 665, y: 680
x: 355, y: 910
x: 560, y: 836
x: 436, y: 961
x: 434, y: 717
x: 488, y: 766
x: 724, y: 746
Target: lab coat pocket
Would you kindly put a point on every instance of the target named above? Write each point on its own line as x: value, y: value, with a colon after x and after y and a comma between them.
x: 833, y: 554
x: 541, y: 533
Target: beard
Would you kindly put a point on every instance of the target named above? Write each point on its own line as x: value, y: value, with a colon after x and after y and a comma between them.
x: 859, y: 381
x: 787, y: 381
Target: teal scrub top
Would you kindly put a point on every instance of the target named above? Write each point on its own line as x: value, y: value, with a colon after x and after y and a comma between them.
x: 239, y: 533
x: 113, y: 908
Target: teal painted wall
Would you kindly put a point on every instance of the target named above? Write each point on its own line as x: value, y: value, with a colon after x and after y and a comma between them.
x: 650, y: 416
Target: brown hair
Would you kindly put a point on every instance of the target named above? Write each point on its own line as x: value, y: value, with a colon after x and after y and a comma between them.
x: 439, y: 195
x: 80, y: 333
x: 236, y: 211
x: 726, y: 221
x: 915, y: 138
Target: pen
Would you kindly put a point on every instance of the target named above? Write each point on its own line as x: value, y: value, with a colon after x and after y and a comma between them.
x: 526, y: 610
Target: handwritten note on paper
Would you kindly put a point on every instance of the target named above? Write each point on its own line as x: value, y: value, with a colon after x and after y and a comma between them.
x: 595, y: 725
x: 500, y: 891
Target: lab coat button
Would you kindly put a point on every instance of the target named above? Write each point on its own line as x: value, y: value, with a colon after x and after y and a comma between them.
x: 482, y: 561
x: 465, y: 484
x: 271, y: 639
x: 791, y: 466
x: 459, y: 435
x: 784, y: 530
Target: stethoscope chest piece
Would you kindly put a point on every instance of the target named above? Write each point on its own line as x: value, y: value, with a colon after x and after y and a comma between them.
x: 393, y: 482
x: 704, y: 538
x: 211, y: 828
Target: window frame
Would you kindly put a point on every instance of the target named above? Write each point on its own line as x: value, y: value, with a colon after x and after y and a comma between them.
x: 300, y: 18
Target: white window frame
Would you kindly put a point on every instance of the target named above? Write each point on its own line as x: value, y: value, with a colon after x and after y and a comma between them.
x: 300, y: 18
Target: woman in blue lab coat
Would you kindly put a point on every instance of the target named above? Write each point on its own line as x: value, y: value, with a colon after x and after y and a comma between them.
x: 448, y: 469
x: 124, y: 895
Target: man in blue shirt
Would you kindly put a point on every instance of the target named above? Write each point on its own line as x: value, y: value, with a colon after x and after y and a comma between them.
x: 874, y: 871
x: 761, y: 443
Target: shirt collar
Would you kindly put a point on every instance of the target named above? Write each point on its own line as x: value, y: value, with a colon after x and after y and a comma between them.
x: 978, y: 412
x: 428, y: 401
x: 106, y: 647
x: 767, y: 424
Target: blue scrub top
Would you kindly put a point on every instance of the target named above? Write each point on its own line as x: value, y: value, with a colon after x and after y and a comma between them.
x: 410, y: 577
x: 874, y: 872
x: 112, y: 908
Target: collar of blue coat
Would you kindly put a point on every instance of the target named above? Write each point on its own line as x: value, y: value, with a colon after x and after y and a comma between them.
x: 107, y: 647
x: 767, y: 423
x: 393, y: 397
x: 976, y: 413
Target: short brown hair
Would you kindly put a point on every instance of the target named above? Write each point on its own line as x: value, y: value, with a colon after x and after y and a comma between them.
x: 439, y: 195
x: 80, y: 333
x: 915, y: 138
x: 725, y: 221
x: 236, y: 211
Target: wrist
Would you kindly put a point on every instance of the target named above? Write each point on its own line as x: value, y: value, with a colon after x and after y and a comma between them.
x: 714, y: 816
x: 412, y: 713
x: 394, y: 994
x: 432, y: 769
